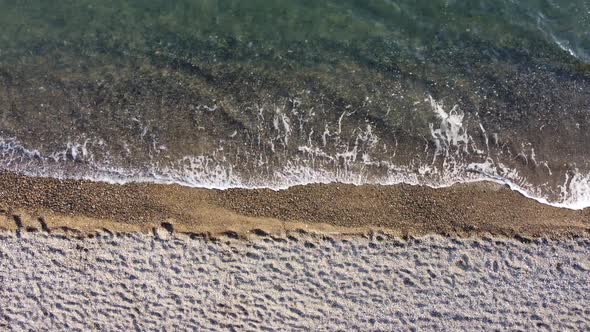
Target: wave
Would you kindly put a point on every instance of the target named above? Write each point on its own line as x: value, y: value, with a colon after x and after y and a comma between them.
x: 448, y: 164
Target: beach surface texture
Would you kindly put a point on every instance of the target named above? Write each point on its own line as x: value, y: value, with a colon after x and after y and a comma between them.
x: 234, y: 165
x: 77, y: 255
x: 300, y: 282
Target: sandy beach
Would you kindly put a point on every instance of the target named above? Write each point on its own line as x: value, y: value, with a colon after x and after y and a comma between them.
x: 477, y: 209
x: 327, y: 257
x: 268, y: 165
x: 298, y: 282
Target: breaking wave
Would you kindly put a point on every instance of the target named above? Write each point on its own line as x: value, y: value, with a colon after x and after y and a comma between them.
x: 449, y: 161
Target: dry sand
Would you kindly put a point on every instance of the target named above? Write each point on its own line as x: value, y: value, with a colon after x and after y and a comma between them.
x: 78, y: 255
x: 303, y: 282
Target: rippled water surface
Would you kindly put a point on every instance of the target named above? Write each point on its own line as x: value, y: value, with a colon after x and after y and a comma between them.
x: 264, y: 93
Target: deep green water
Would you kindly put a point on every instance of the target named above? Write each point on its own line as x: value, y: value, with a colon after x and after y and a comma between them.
x: 276, y: 93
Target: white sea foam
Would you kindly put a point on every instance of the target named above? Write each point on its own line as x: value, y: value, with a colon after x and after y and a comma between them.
x: 352, y: 163
x: 450, y: 133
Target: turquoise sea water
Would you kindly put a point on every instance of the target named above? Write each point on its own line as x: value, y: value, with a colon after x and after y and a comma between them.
x: 276, y: 93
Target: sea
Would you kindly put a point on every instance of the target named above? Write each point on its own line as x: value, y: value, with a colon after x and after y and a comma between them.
x: 277, y: 93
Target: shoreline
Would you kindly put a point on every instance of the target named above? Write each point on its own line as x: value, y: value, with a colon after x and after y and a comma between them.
x: 81, y: 208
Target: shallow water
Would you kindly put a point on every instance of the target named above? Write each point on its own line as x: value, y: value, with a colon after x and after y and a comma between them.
x: 227, y: 93
x: 297, y: 283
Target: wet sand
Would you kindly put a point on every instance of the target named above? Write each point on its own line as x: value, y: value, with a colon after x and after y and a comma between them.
x: 79, y: 255
x: 477, y: 209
